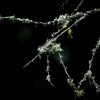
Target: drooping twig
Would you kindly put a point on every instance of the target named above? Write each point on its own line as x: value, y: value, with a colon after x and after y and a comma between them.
x: 48, y: 78
x: 70, y: 81
x: 88, y: 74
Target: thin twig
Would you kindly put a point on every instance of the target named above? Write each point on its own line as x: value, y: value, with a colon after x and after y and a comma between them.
x: 77, y: 7
x: 31, y: 60
x: 48, y: 71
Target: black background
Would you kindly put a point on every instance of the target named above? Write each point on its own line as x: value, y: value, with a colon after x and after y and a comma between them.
x: 19, y: 42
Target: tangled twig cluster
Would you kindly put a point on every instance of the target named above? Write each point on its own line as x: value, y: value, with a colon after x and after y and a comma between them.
x: 52, y: 47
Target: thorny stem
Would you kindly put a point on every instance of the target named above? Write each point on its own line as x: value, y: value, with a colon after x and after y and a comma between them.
x: 94, y: 50
x: 70, y: 81
x: 65, y: 68
x: 48, y: 71
x: 88, y: 74
x: 27, y: 20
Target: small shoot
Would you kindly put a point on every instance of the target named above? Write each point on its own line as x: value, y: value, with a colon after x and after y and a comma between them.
x: 79, y: 94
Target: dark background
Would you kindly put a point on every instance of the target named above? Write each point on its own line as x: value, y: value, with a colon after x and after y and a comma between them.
x: 19, y: 42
